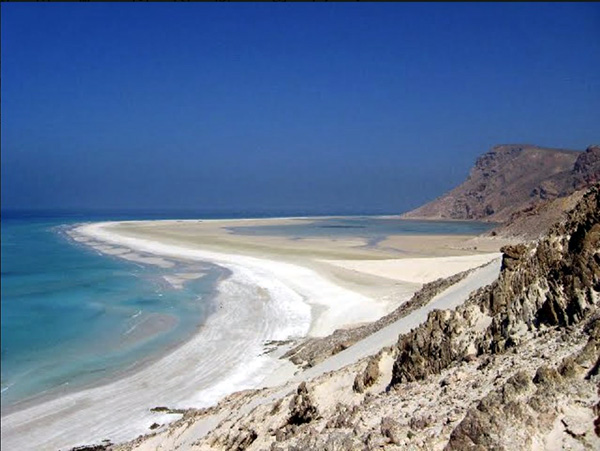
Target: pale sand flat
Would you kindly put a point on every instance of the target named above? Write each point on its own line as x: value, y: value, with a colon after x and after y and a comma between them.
x: 416, y: 270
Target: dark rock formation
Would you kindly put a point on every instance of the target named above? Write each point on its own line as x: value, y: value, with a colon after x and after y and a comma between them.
x: 105, y: 446
x: 238, y: 439
x: 345, y: 417
x: 586, y: 170
x: 302, y: 408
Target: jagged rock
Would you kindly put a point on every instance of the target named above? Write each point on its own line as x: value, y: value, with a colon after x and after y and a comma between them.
x: 344, y: 417
x: 420, y: 422
x: 427, y: 349
x: 586, y: 170
x: 569, y: 368
x: 302, y: 408
x: 242, y: 439
x: 482, y: 427
x: 369, y: 376
x: 511, y: 256
x: 553, y: 282
x: 546, y: 375
x: 590, y: 354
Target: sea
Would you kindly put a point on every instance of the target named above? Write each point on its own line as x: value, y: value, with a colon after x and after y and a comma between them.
x: 72, y: 317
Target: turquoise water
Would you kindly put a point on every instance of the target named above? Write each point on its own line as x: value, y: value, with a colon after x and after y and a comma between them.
x: 71, y: 316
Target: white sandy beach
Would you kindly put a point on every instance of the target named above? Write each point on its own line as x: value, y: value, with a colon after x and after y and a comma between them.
x: 278, y: 290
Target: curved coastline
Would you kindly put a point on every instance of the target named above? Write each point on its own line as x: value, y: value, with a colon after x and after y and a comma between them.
x: 332, y: 305
x: 269, y: 296
x: 292, y: 301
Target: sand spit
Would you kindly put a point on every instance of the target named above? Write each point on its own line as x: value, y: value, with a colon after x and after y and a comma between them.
x: 265, y: 299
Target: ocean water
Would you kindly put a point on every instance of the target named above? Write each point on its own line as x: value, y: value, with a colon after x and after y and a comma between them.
x: 72, y: 317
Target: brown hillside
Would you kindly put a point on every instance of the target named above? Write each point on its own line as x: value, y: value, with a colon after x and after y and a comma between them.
x: 510, y: 178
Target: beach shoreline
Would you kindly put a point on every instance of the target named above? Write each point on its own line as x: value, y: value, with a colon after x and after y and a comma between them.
x: 318, y: 306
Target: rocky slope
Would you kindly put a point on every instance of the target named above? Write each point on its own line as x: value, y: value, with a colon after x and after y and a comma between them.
x: 314, y: 350
x: 515, y: 367
x: 515, y: 178
x: 534, y: 221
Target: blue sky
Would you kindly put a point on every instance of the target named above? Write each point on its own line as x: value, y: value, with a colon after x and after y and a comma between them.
x: 323, y: 107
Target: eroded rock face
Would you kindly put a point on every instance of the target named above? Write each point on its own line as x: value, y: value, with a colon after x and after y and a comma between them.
x: 302, y: 407
x: 507, y: 179
x: 586, y: 170
x: 368, y: 377
x: 553, y: 282
x: 523, y: 408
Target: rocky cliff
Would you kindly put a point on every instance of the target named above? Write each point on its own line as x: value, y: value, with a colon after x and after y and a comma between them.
x: 549, y: 283
x: 514, y: 178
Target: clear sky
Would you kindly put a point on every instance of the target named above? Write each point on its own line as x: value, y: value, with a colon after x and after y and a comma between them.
x: 317, y: 107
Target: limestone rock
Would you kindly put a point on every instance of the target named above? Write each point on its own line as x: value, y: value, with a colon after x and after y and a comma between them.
x: 369, y: 376
x: 302, y: 408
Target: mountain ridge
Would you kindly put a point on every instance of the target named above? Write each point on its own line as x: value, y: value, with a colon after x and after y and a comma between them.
x: 512, y: 178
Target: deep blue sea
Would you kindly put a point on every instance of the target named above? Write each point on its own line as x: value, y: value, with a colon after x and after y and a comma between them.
x: 72, y: 316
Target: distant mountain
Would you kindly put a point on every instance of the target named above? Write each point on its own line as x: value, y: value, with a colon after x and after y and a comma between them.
x: 512, y: 179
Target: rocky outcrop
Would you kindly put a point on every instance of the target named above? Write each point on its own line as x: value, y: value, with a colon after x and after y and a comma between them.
x: 522, y: 407
x: 586, y: 170
x: 302, y: 407
x: 553, y: 282
x: 369, y: 376
x: 105, y: 446
x: 516, y: 181
x: 314, y: 350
